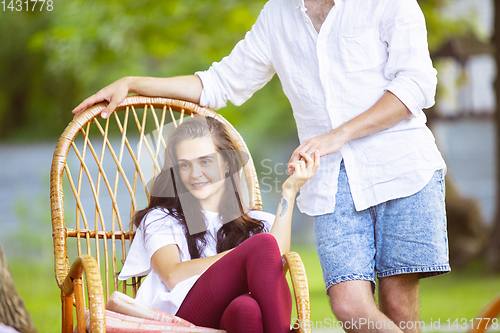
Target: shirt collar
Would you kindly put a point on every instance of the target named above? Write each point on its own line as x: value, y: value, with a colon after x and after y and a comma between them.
x: 302, y: 5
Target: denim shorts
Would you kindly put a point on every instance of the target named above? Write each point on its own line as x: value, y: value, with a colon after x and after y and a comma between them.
x: 400, y: 236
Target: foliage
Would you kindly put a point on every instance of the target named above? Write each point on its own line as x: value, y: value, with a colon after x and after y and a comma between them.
x: 493, y: 248
x: 100, y: 40
x: 92, y: 43
x: 441, y: 27
x: 50, y: 61
x: 23, y: 78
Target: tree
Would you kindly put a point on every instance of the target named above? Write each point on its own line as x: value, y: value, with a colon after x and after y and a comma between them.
x: 12, y: 310
x: 493, y: 248
x: 52, y: 60
x: 34, y: 99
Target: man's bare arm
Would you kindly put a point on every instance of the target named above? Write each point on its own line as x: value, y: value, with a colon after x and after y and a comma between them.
x: 386, y: 112
x: 180, y: 87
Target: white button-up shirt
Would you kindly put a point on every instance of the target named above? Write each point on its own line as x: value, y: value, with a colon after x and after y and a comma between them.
x: 364, y: 48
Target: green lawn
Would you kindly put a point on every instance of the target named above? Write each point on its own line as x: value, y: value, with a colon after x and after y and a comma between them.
x: 457, y: 295
x: 36, y: 284
x: 460, y: 294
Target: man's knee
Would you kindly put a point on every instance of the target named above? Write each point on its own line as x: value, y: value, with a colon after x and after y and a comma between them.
x: 399, y: 288
x: 343, y: 311
x: 351, y: 300
x: 398, y: 296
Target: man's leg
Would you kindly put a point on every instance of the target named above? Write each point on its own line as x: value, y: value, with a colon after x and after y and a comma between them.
x: 353, y: 304
x: 345, y: 243
x: 407, y: 238
x: 398, y: 299
x: 411, y: 243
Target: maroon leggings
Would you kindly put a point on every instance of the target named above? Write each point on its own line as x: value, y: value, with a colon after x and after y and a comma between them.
x: 244, y: 291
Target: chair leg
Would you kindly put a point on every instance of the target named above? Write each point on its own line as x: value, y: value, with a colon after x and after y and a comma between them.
x: 67, y: 312
x: 80, y: 305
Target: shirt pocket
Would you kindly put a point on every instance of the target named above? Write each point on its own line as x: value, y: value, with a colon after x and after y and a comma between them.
x: 362, y: 51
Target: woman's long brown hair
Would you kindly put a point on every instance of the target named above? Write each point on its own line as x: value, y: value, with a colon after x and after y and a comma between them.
x: 168, y: 185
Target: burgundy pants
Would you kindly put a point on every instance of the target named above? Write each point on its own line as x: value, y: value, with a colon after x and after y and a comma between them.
x: 244, y: 291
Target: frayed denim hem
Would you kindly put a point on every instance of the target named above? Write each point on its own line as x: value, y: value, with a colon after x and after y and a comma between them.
x: 349, y: 277
x: 424, y: 271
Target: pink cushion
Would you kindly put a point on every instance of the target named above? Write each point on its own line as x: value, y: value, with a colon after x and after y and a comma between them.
x: 125, y: 315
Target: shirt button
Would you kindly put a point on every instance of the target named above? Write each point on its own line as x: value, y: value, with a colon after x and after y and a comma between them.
x: 307, y: 21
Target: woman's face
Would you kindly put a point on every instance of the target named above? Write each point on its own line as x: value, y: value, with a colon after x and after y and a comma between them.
x: 202, y: 171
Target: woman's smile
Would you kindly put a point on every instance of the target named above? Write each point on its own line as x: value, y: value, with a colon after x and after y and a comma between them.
x: 199, y: 186
x: 200, y: 170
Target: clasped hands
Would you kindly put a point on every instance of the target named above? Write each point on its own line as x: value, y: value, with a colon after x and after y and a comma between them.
x: 325, y: 144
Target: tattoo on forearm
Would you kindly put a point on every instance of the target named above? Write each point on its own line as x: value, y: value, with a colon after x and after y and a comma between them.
x: 284, y: 206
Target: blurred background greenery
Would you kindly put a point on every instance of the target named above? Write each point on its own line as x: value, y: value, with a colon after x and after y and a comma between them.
x: 52, y: 60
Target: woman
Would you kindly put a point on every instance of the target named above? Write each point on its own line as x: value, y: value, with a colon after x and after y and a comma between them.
x: 208, y: 260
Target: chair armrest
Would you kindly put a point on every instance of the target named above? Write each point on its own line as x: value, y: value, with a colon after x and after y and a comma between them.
x: 293, y: 263
x: 484, y: 320
x: 73, y: 283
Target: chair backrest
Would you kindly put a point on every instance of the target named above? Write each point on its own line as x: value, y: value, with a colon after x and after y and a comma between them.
x: 100, y: 176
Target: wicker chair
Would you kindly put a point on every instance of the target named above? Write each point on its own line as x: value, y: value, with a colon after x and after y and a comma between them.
x: 100, y: 163
x: 488, y: 317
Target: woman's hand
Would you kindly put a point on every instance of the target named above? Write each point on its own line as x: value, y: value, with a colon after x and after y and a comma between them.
x: 304, y: 169
x: 115, y: 93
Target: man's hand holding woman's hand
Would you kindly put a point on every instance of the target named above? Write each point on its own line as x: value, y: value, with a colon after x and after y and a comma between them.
x: 304, y: 169
x: 385, y: 113
x: 325, y: 144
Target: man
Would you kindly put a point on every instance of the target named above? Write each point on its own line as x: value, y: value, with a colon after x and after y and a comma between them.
x: 357, y: 74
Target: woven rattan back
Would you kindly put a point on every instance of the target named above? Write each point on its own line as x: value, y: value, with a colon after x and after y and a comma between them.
x: 100, y: 177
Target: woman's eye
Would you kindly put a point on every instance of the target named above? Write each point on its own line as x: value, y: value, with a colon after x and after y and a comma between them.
x: 184, y: 165
x: 205, y: 162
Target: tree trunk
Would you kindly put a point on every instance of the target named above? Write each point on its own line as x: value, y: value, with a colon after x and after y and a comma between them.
x: 493, y: 249
x: 12, y: 310
x: 467, y: 232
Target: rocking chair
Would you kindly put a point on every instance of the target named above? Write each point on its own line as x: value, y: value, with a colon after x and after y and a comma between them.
x: 103, y: 167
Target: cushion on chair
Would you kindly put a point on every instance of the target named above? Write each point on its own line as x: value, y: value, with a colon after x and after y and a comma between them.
x: 125, y: 314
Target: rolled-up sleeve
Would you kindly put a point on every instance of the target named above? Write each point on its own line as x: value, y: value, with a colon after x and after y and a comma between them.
x: 409, y: 66
x: 247, y: 69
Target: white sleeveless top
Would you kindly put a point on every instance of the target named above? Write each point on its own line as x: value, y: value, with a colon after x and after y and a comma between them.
x: 157, y: 230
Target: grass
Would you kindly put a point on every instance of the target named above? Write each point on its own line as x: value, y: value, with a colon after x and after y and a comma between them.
x: 457, y: 295
x: 460, y: 294
x: 36, y: 284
